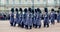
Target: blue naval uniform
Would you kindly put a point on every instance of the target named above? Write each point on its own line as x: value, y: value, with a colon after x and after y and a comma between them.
x: 20, y: 19
x: 24, y: 16
x: 23, y: 19
x: 34, y: 19
x: 52, y: 15
x: 16, y: 19
x: 12, y: 19
x: 38, y: 22
x: 22, y: 22
x: 29, y: 19
x: 28, y: 22
x: 46, y: 20
x: 58, y: 17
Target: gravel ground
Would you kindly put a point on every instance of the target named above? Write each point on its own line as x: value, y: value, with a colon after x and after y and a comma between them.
x: 5, y: 27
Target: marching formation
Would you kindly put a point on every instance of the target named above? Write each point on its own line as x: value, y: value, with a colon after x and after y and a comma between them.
x: 29, y: 18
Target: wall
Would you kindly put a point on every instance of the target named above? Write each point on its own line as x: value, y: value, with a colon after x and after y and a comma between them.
x: 8, y: 4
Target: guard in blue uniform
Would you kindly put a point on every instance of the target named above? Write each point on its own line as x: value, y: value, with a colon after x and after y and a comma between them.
x: 58, y: 15
x: 12, y: 17
x: 34, y: 18
x: 38, y: 18
x: 29, y: 19
x: 46, y: 18
x: 20, y: 17
x: 55, y: 14
x: 52, y: 15
x: 24, y: 16
x: 17, y: 17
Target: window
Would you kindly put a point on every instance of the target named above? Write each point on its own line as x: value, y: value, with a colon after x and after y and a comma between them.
x: 16, y: 1
x: 7, y: 2
x: 13, y: 1
x: 38, y: 0
x: 25, y: 0
x: 19, y: 1
x: 2, y: 2
x: 51, y: 2
x: 44, y: 2
x: 58, y: 1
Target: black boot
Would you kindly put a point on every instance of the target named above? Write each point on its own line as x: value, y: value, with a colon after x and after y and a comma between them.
x: 44, y: 24
x: 26, y: 26
x: 22, y: 25
x: 30, y: 27
x: 14, y: 24
x: 47, y: 25
x: 39, y: 26
x: 11, y: 24
x: 57, y: 21
x: 52, y: 21
x: 35, y: 26
x: 18, y: 25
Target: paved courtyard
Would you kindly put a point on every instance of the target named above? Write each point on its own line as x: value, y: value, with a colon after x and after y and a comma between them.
x: 5, y: 27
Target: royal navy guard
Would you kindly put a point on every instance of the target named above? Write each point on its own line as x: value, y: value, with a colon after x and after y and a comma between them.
x: 12, y: 17
x: 46, y: 18
x: 17, y: 17
x: 38, y: 22
x: 30, y: 23
x: 52, y: 15
x: 58, y: 15
x: 55, y: 14
x: 24, y: 16
x: 34, y: 18
x: 29, y: 19
x: 20, y: 17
